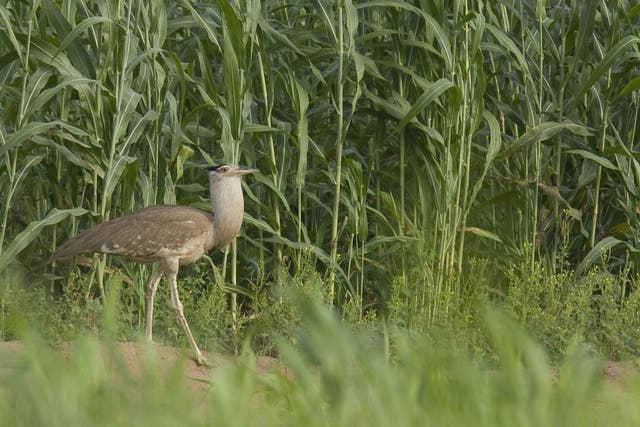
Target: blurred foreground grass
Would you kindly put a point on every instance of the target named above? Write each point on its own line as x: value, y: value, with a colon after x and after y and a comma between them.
x: 334, y: 377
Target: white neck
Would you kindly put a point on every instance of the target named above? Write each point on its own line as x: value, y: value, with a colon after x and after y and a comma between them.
x: 227, y: 205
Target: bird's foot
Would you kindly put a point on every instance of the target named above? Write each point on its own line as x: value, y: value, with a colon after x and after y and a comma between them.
x: 201, y: 360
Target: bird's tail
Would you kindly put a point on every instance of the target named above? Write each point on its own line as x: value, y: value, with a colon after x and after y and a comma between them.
x: 80, y: 244
x: 65, y: 251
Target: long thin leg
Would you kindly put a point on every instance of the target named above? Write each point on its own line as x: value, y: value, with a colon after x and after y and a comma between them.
x: 172, y: 273
x: 152, y: 287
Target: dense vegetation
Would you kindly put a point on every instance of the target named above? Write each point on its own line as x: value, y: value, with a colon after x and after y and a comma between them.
x: 419, y: 161
x: 335, y: 377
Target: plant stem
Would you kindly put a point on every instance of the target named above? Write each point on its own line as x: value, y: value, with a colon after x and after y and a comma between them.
x: 596, y: 195
x: 339, y: 144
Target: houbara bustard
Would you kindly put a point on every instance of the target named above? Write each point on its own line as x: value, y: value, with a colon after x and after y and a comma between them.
x: 171, y: 235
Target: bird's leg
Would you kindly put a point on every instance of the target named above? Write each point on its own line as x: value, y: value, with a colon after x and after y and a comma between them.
x: 172, y: 274
x: 152, y: 287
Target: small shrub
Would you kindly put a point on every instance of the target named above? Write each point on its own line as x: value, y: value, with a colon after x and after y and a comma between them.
x: 276, y: 313
x: 558, y: 308
x: 455, y: 309
x: 56, y: 318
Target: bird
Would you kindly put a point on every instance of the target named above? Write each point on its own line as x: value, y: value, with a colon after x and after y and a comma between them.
x: 170, y: 235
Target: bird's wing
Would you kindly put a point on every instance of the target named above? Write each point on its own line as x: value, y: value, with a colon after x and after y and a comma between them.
x: 145, y: 235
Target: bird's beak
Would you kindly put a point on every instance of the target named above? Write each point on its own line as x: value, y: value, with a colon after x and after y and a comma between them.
x: 245, y: 171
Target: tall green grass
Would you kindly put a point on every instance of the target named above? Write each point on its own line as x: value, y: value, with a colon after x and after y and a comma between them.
x: 397, y: 140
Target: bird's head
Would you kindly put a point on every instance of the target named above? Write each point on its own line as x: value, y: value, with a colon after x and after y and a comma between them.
x: 227, y: 170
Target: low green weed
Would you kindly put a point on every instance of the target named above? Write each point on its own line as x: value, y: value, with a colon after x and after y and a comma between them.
x: 333, y: 376
x: 558, y: 308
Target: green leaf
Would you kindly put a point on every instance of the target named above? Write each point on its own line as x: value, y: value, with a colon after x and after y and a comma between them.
x: 633, y: 85
x: 259, y: 224
x: 47, y: 94
x: 541, y: 12
x: 258, y: 128
x: 495, y: 142
x: 233, y: 84
x: 302, y: 246
x: 184, y: 153
x: 31, y: 129
x: 268, y: 182
x: 431, y: 93
x: 114, y: 171
x: 126, y: 113
x: 211, y: 34
x: 432, y: 24
x: 506, y: 42
x: 32, y: 231
x: 593, y: 157
x: 76, y: 53
x: 542, y: 132
x: 191, y: 188
x: 634, y: 11
x: 232, y: 26
x: 483, y: 233
x: 137, y: 130
x: 66, y: 153
x: 35, y: 84
x: 616, y: 53
x: 376, y: 242
x: 8, y: 29
x: 278, y: 36
x: 595, y: 254
x: 443, y: 40
x: 351, y: 19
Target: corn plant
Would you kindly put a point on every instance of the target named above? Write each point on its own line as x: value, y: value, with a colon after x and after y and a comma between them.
x: 396, y: 139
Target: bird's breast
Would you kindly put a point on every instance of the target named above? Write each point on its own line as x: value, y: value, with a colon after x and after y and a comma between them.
x: 228, y: 210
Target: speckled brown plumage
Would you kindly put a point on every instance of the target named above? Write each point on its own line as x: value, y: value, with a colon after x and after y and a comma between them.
x: 147, y: 235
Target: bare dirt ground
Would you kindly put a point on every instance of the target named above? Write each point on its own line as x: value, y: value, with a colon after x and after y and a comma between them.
x: 622, y: 373
x: 197, y: 378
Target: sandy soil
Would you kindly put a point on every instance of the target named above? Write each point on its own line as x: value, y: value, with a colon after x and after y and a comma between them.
x: 622, y: 372
x: 135, y: 357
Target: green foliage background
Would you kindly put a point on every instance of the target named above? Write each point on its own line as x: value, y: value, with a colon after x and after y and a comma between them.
x: 397, y: 141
